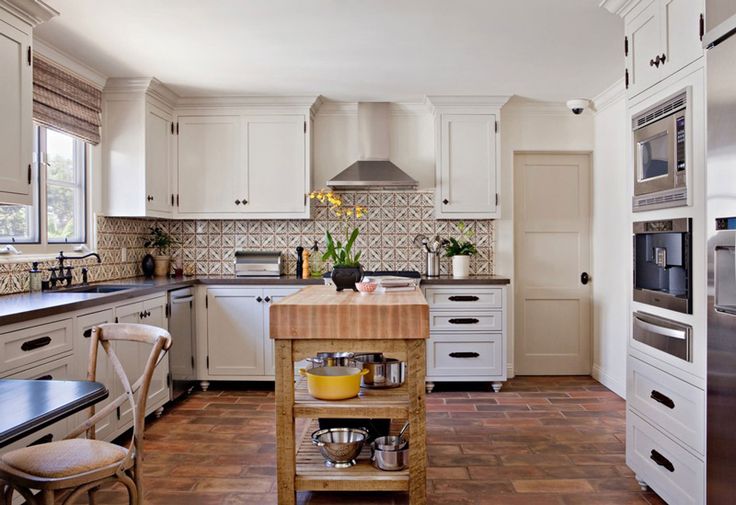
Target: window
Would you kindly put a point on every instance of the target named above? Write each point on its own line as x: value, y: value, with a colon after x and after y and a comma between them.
x: 60, y: 182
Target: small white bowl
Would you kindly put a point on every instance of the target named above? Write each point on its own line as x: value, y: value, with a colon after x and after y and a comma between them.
x: 366, y: 287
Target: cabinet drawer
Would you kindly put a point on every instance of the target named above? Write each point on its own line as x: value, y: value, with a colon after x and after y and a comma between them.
x: 465, y: 355
x: 458, y: 298
x: 24, y: 347
x: 464, y: 322
x: 677, y: 476
x: 672, y: 404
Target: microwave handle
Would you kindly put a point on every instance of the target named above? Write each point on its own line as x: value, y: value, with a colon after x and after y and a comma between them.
x: 661, y: 330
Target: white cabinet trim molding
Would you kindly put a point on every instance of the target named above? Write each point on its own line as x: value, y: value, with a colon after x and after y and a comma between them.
x: 33, y: 12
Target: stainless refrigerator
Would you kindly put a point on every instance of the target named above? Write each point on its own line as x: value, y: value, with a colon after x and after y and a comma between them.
x: 720, y: 42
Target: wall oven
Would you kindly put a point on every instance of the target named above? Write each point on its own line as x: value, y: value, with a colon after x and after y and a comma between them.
x: 662, y: 264
x: 660, y: 161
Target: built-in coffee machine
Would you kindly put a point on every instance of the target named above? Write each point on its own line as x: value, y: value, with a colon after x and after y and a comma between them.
x: 663, y: 263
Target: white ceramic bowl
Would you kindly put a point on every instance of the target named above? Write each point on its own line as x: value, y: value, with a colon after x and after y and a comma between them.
x: 366, y: 287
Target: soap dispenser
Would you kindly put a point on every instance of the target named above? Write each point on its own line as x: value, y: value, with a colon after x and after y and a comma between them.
x: 34, y: 279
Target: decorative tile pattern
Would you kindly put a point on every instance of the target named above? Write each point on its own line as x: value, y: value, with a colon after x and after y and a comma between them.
x: 208, y: 246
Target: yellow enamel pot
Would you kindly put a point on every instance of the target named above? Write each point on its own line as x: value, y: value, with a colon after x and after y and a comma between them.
x: 333, y: 382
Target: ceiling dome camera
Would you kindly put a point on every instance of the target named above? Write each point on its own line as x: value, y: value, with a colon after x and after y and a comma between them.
x: 578, y: 105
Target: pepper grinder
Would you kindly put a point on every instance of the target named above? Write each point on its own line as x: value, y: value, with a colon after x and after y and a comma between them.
x: 299, y: 262
x: 34, y: 278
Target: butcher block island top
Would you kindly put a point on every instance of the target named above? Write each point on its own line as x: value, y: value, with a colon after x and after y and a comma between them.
x: 320, y: 312
x: 320, y: 319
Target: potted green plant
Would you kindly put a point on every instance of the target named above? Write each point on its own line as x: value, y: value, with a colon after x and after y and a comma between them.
x: 161, y: 242
x: 461, y: 250
x: 346, y: 268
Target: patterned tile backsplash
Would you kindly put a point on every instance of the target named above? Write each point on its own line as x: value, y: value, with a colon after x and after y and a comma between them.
x: 207, y: 247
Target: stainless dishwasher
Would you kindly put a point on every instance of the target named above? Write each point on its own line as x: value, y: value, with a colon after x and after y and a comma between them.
x: 181, y: 354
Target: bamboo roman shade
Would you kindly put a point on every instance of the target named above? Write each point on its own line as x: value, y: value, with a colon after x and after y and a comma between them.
x: 65, y: 102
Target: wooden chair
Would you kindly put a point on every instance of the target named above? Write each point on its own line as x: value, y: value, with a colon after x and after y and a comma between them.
x: 81, y: 465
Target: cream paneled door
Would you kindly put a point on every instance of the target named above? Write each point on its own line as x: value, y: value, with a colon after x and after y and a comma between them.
x: 552, y: 244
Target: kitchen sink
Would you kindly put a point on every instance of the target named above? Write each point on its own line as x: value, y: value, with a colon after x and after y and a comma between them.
x: 106, y: 288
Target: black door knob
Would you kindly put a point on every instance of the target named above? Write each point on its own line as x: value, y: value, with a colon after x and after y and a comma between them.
x: 584, y: 278
x: 237, y: 202
x: 259, y: 299
x: 149, y: 198
x: 663, y: 58
x: 245, y: 202
x: 268, y: 299
x: 445, y: 201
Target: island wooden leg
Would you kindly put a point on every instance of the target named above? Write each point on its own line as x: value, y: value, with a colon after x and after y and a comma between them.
x: 416, y: 364
x: 286, y: 453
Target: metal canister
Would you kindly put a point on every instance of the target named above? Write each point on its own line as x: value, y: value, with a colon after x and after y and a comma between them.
x: 433, y: 264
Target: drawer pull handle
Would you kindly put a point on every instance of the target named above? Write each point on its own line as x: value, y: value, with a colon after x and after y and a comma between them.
x: 463, y: 298
x: 662, y: 461
x: 35, y: 343
x: 43, y: 440
x: 663, y: 399
x: 45, y: 378
x: 464, y: 355
x: 464, y: 320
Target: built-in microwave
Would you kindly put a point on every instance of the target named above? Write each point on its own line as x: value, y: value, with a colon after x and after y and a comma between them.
x: 663, y: 264
x: 660, y: 155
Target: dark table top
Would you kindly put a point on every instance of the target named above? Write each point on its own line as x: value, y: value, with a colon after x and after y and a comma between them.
x: 29, y: 405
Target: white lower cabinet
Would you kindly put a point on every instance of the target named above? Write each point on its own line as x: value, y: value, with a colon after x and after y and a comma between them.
x: 238, y: 342
x: 467, y: 334
x: 674, y: 473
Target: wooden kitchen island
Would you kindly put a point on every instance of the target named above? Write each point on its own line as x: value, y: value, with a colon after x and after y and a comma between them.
x: 319, y: 319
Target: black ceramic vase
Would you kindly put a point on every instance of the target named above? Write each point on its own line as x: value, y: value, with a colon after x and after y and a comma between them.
x: 346, y: 277
x: 148, y: 265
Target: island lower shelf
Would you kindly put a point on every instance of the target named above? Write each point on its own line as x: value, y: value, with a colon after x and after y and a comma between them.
x: 370, y: 403
x: 313, y: 475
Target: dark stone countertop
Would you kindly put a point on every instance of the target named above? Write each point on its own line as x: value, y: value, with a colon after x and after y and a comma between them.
x: 24, y: 306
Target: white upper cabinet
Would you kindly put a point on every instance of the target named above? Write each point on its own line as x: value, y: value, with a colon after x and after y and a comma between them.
x: 248, y: 158
x: 277, y: 170
x: 210, y: 173
x: 467, y: 156
x: 16, y: 98
x: 662, y: 36
x: 138, y: 131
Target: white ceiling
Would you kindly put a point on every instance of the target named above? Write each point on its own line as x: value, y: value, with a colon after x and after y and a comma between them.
x: 398, y: 50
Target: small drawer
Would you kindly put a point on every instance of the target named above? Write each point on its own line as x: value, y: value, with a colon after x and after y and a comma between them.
x: 469, y: 355
x: 459, y: 298
x: 465, y: 322
x: 672, y: 404
x: 32, y: 344
x: 673, y: 473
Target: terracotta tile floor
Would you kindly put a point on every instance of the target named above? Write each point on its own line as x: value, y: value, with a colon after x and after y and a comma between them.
x: 541, y: 441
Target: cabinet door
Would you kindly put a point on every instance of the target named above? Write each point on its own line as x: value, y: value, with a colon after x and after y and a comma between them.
x: 155, y: 315
x: 467, y: 172
x: 158, y: 161
x: 681, y: 30
x: 272, y: 295
x: 235, y: 331
x: 129, y: 355
x: 210, y: 172
x: 105, y: 372
x: 645, y: 44
x: 276, y: 164
x: 16, y: 128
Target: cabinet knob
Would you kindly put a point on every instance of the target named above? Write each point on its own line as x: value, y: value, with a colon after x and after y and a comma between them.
x: 245, y: 201
x: 654, y: 62
x: 445, y: 201
x: 663, y: 58
x: 259, y: 299
x: 149, y: 198
x: 268, y: 299
x: 237, y: 202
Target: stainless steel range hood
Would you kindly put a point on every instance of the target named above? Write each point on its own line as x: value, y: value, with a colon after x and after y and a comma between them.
x: 373, y: 170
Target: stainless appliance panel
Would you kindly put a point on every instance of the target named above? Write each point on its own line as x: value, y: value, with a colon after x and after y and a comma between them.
x: 721, y: 188
x: 181, y: 354
x: 668, y: 336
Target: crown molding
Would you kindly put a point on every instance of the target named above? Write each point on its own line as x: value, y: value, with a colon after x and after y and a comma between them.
x: 332, y: 108
x: 311, y: 102
x: 536, y: 108
x: 610, y: 95
x: 449, y: 102
x: 33, y: 12
x: 148, y: 85
x: 619, y: 7
x: 69, y: 62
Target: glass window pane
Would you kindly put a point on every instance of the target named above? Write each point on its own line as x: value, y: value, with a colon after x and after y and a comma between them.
x: 16, y: 224
x: 59, y: 156
x: 61, y: 213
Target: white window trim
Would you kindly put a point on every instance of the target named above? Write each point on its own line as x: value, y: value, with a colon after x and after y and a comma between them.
x: 45, y: 251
